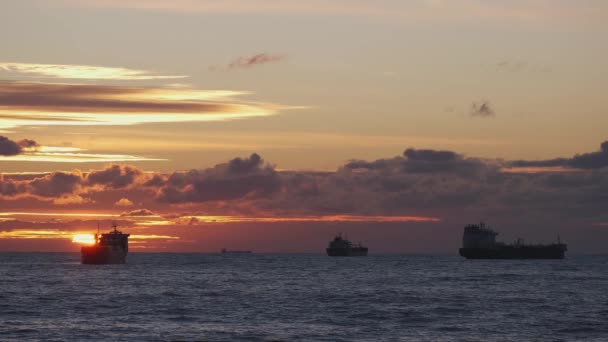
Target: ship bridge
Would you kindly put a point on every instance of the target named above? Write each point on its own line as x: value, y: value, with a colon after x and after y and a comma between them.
x: 478, y: 236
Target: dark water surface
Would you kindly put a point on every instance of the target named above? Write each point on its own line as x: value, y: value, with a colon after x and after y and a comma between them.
x: 205, y: 297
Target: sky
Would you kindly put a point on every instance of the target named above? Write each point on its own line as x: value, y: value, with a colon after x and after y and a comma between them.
x: 273, y: 125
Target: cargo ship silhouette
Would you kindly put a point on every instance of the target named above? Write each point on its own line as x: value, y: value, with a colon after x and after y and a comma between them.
x: 340, y: 246
x: 108, y: 248
x: 479, y: 242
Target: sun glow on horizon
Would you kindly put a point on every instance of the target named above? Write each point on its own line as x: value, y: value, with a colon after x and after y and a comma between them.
x: 85, y: 239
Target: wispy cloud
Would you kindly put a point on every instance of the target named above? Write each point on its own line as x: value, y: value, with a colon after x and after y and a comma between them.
x: 71, y: 157
x: 482, y: 109
x: 194, y: 220
x: 30, y: 104
x: 250, y: 61
x: 30, y: 150
x: 88, y: 72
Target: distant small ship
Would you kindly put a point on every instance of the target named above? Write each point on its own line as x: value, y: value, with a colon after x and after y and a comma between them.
x: 226, y: 251
x: 479, y: 242
x: 340, y: 246
x: 109, y: 248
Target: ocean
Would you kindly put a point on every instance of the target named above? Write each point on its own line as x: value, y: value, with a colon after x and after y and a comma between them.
x: 282, y: 297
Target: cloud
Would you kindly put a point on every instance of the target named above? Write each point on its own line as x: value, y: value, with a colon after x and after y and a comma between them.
x: 124, y: 202
x: 63, y: 224
x: 12, y: 148
x: 482, y: 110
x: 418, y: 183
x: 430, y: 155
x: 67, y: 71
x: 70, y: 187
x: 251, y: 61
x: 115, y: 176
x: 204, y: 219
x: 30, y: 150
x: 8, y: 147
x: 58, y: 155
x: 424, y: 161
x: 28, y: 144
x: 36, y: 104
x: 56, y: 184
x: 592, y: 160
x: 239, y: 178
x: 138, y: 212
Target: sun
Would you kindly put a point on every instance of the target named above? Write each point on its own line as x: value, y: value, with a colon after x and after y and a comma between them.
x: 85, y: 239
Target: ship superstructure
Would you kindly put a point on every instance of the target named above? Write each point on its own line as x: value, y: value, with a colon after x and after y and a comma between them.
x: 340, y: 246
x: 109, y: 248
x: 479, y: 242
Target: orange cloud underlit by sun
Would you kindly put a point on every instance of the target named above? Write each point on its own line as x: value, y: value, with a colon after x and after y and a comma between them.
x: 89, y: 239
x: 76, y: 237
x: 82, y: 72
x: 46, y: 104
x: 325, y: 218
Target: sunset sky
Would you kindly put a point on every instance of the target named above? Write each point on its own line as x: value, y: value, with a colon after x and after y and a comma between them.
x: 271, y: 125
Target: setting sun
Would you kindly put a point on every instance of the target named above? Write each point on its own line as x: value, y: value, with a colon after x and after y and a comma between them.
x: 85, y: 239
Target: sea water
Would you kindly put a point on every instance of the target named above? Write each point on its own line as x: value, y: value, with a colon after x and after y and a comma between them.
x: 282, y: 297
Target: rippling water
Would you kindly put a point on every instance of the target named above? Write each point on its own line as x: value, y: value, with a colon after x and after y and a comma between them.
x: 205, y: 297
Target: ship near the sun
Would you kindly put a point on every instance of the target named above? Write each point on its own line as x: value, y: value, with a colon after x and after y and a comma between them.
x: 479, y: 242
x: 340, y: 246
x: 109, y: 248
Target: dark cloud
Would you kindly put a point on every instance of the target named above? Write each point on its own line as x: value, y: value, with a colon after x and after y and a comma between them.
x: 424, y: 161
x: 10, y: 188
x: 156, y: 181
x: 592, y: 160
x: 115, y: 176
x: 430, y: 161
x: 57, y: 184
x: 9, y: 147
x: 62, y: 185
x: 482, y: 110
x: 540, y: 163
x: 430, y: 155
x: 240, y: 177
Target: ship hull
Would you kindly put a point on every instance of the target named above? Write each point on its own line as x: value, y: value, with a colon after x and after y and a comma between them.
x: 346, y: 251
x: 514, y: 252
x: 100, y: 255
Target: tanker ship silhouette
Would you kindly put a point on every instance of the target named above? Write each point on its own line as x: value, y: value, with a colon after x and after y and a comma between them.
x: 479, y: 242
